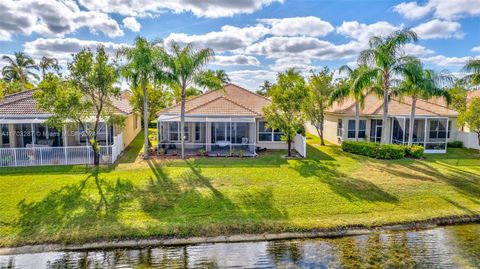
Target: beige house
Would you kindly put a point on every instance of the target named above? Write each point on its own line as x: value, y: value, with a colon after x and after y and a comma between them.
x: 435, y: 124
x: 27, y: 140
x: 219, y: 122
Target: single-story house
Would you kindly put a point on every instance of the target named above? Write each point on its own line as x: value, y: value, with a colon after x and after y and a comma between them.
x: 435, y: 124
x: 219, y: 122
x: 27, y: 140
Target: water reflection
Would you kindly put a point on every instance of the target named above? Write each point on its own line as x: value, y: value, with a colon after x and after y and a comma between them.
x: 449, y: 247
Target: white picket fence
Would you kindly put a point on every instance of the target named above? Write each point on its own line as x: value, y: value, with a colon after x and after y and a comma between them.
x: 301, y: 145
x: 469, y: 139
x: 40, y: 156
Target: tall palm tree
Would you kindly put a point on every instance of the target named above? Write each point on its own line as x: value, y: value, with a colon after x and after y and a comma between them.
x: 184, y: 67
x: 47, y: 63
x: 356, y: 86
x: 264, y: 88
x: 19, y: 68
x: 421, y: 84
x: 386, y: 57
x: 142, y: 67
x: 473, y: 66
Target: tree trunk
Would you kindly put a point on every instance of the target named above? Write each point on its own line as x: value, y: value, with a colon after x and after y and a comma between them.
x: 412, y: 120
x: 385, y: 108
x: 322, y: 128
x: 145, y: 122
x: 182, y: 122
x: 289, y: 142
x: 357, y: 120
x: 96, y: 156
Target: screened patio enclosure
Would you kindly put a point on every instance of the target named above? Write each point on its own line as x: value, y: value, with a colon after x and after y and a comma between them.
x: 213, y: 136
x: 430, y: 132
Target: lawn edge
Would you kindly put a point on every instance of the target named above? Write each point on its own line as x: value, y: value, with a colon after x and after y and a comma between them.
x: 324, y: 233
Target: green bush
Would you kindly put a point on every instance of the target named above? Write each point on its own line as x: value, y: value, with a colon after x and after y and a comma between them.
x: 415, y: 151
x: 455, y: 144
x: 374, y: 150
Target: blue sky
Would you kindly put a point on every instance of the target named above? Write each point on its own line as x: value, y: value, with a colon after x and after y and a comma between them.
x: 253, y: 39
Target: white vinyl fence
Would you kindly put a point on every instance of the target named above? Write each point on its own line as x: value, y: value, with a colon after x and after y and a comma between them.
x: 469, y: 139
x: 39, y: 156
x: 301, y: 145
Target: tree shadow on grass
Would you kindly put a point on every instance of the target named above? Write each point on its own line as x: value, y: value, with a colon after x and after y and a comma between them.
x: 75, y: 207
x: 193, y: 198
x: 353, y: 189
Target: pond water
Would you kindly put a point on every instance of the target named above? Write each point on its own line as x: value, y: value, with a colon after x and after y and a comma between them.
x: 445, y: 247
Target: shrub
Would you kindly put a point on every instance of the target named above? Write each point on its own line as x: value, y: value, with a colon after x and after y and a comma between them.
x: 415, y: 151
x: 455, y: 144
x: 390, y: 152
x: 374, y: 150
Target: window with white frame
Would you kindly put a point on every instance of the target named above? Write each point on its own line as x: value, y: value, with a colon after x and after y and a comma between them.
x: 267, y: 134
x: 340, y: 128
x: 198, y: 131
x: 361, y: 130
x: 174, y: 131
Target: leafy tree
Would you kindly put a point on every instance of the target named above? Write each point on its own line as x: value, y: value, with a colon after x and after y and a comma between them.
x: 221, y: 75
x: 320, y: 87
x: 423, y: 84
x: 386, y: 58
x: 19, y: 69
x: 183, y: 68
x: 142, y: 68
x: 47, y: 63
x: 285, y: 113
x: 473, y: 66
x: 358, y: 84
x: 264, y: 88
x: 471, y: 116
x: 85, y: 98
x: 458, y: 95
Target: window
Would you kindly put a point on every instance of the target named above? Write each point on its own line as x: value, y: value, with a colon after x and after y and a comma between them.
x: 174, y: 131
x: 449, y: 129
x: 437, y: 129
x: 376, y: 129
x: 197, y: 131
x: 340, y: 128
x: 5, y: 134
x: 267, y: 134
x: 361, y: 129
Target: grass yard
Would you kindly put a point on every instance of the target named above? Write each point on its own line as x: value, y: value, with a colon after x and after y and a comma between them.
x: 212, y: 196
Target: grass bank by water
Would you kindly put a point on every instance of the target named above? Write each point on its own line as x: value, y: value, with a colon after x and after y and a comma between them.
x: 222, y: 196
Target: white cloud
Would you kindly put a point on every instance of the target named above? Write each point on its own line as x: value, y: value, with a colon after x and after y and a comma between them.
x: 416, y: 50
x: 445, y: 61
x: 436, y: 29
x: 299, y: 63
x: 445, y: 9
x: 132, y: 24
x: 476, y: 49
x: 309, y: 47
x: 235, y: 60
x: 51, y: 18
x: 251, y: 79
x: 305, y: 26
x: 228, y: 38
x: 63, y: 48
x: 362, y: 32
x: 205, y: 8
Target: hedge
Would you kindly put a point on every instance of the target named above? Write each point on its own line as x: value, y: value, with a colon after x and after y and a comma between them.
x: 388, y: 151
x: 455, y: 144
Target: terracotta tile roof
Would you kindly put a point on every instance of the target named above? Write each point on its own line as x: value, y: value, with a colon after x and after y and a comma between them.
x: 396, y: 107
x: 232, y: 100
x: 23, y: 103
x: 473, y: 94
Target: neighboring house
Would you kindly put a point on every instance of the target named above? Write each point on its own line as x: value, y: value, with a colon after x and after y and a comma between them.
x: 27, y: 140
x: 469, y: 139
x: 218, y: 122
x: 435, y: 124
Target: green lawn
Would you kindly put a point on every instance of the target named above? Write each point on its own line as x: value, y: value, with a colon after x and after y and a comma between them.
x: 212, y: 196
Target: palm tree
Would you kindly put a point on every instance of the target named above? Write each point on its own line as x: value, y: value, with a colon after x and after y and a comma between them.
x: 222, y: 76
x: 47, y: 63
x: 473, y: 66
x: 142, y: 68
x: 184, y: 67
x: 386, y: 57
x: 355, y: 86
x: 264, y: 88
x: 421, y: 84
x: 19, y: 69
